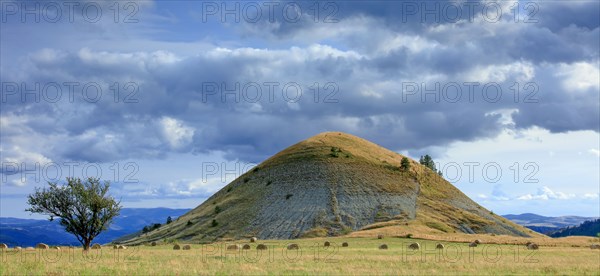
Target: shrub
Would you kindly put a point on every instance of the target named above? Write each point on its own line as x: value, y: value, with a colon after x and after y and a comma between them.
x: 228, y: 189
x: 214, y: 223
x: 288, y: 196
x: 189, y: 223
x: 346, y: 230
x: 335, y: 152
x: 405, y: 164
x: 217, y: 209
x: 246, y: 179
x: 409, y: 236
x: 151, y: 227
x: 269, y: 182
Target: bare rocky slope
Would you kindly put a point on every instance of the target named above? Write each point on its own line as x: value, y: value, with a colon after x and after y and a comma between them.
x: 331, y: 184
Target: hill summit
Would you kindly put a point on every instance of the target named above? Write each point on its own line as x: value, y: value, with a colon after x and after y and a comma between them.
x: 331, y: 184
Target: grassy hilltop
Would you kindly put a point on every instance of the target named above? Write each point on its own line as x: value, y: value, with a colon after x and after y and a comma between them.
x: 328, y: 185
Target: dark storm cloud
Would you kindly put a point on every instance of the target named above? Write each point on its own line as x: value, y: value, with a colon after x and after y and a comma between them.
x: 361, y: 78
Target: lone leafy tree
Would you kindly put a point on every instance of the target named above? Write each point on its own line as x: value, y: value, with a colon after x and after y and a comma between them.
x: 84, y: 207
x: 169, y: 220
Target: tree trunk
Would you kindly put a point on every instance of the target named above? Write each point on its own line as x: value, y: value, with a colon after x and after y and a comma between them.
x: 86, y: 244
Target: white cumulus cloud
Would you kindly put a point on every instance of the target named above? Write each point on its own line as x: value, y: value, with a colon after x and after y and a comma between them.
x: 545, y: 193
x: 176, y: 133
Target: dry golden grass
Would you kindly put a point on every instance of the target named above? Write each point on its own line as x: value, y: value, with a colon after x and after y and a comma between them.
x: 362, y: 258
x: 419, y: 231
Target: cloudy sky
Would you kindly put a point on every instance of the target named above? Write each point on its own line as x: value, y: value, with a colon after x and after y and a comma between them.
x: 171, y: 100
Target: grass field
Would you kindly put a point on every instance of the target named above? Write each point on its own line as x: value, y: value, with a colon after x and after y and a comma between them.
x: 360, y: 258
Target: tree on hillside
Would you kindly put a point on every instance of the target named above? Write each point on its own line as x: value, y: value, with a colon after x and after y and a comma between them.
x: 84, y: 207
x: 428, y: 162
x: 404, y: 164
x: 169, y: 220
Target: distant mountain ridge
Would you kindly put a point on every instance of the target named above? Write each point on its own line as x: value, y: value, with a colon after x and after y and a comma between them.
x: 546, y: 225
x: 28, y: 232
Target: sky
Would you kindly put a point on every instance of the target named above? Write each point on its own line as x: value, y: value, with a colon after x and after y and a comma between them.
x: 172, y: 100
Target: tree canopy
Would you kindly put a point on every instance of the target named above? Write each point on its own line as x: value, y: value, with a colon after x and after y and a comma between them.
x: 84, y: 207
x: 428, y: 162
x: 405, y: 164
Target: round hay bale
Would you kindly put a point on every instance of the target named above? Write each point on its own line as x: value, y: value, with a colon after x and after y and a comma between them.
x: 153, y: 243
x: 383, y: 246
x: 473, y: 244
x: 122, y: 247
x: 17, y: 248
x: 56, y: 247
x: 528, y: 243
x: 115, y: 246
x: 176, y: 247
x: 96, y: 246
x: 246, y: 247
x: 478, y: 241
x: 379, y: 236
x: 533, y: 246
x: 595, y: 246
x: 261, y: 247
x: 439, y: 246
x: 29, y: 248
x: 414, y: 246
x: 42, y: 246
x: 326, y: 244
x: 3, y: 246
x: 253, y: 239
x: 344, y: 244
x: 233, y: 247
x: 187, y: 247
x: 293, y: 246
